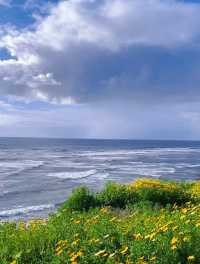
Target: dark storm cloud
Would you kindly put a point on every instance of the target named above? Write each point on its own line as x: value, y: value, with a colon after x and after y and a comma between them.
x: 86, y: 51
x: 111, y: 69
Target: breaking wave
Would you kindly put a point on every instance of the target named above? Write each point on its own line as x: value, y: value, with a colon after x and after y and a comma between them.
x: 26, y: 210
x: 73, y: 175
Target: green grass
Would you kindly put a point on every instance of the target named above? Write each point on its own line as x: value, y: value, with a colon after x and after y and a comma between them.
x: 146, y: 222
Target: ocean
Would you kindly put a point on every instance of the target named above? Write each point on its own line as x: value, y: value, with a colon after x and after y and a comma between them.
x: 37, y: 175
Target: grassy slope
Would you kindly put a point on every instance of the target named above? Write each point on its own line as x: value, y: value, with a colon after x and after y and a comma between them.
x: 158, y: 222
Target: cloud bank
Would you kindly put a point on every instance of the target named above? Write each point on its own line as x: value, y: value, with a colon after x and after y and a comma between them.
x: 109, y: 56
x: 85, y: 50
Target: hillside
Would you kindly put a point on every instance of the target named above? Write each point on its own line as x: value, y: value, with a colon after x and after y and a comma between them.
x: 148, y: 221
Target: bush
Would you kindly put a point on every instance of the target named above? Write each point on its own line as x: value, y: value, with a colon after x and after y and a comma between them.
x: 81, y: 199
x: 195, y: 190
x: 160, y: 192
x: 116, y: 195
x: 145, y: 232
x: 121, y: 195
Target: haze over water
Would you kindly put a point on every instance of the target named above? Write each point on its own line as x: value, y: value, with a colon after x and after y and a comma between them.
x: 36, y: 175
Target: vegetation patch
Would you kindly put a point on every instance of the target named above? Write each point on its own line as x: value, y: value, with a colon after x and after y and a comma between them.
x: 145, y: 222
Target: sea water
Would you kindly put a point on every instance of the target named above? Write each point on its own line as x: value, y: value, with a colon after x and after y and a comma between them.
x: 37, y: 175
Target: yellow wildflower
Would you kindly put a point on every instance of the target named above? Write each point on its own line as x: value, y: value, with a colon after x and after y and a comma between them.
x: 99, y: 253
x: 191, y: 258
x: 141, y: 260
x: 75, y: 242
x: 174, y: 247
x: 112, y: 255
x: 182, y: 217
x: 124, y: 251
x: 75, y: 256
x: 58, y: 253
x: 13, y: 262
x: 185, y: 239
x: 184, y: 210
x: 104, y: 210
x: 174, y: 240
x: 113, y: 219
x: 137, y: 236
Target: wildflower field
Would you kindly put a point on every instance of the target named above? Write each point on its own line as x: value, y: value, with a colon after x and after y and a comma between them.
x: 148, y: 221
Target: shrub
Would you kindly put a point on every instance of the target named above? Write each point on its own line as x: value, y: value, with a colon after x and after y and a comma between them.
x: 81, y: 199
x: 161, y: 192
x: 116, y: 195
x: 195, y: 190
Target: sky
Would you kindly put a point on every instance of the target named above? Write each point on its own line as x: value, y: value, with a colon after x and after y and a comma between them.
x: 100, y: 69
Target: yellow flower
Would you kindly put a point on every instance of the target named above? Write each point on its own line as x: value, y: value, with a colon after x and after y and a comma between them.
x: 58, y: 253
x: 184, y: 210
x: 112, y: 255
x: 58, y: 248
x: 113, y: 219
x: 141, y: 260
x: 153, y: 258
x: 173, y: 247
x: 165, y: 229
x: 137, y: 236
x: 182, y: 217
x: 101, y: 252
x: 124, y: 251
x: 13, y: 262
x: 175, y: 228
x: 104, y: 210
x: 185, y: 239
x: 75, y: 256
x: 174, y: 240
x: 75, y: 242
x: 191, y: 258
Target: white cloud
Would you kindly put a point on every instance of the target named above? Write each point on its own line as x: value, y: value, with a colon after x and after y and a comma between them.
x: 5, y: 2
x: 54, y: 58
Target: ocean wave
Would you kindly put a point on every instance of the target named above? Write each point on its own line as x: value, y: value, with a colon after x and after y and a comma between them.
x: 148, y: 171
x: 186, y: 165
x: 72, y: 175
x: 25, y: 210
x: 101, y: 175
x: 101, y: 154
x: 9, y: 168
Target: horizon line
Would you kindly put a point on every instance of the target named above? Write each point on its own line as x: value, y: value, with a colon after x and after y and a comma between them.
x: 108, y: 139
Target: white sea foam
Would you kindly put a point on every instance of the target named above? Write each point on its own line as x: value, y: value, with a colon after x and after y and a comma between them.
x: 72, y: 175
x: 12, y: 167
x: 146, y: 170
x: 186, y: 165
x: 25, y: 210
x: 102, y: 175
x: 120, y: 153
x: 21, y: 164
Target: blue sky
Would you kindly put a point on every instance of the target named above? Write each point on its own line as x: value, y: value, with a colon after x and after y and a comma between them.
x: 100, y: 69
